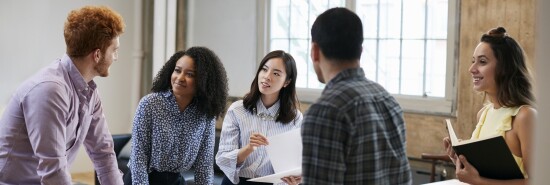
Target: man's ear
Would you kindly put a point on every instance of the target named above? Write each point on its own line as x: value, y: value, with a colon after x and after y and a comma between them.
x: 97, y: 55
x: 315, y: 52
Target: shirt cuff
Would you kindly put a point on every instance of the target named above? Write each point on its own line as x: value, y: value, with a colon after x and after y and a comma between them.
x: 228, y: 164
x: 112, y: 177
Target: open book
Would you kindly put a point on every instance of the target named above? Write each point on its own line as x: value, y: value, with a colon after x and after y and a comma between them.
x: 285, y: 152
x: 490, y: 155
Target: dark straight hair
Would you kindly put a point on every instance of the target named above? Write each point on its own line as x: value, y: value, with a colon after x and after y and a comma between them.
x: 287, y: 95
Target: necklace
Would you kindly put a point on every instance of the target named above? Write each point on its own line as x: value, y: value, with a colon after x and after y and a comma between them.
x: 266, y: 116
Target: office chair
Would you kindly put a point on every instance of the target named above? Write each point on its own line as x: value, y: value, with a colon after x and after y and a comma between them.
x: 119, y: 140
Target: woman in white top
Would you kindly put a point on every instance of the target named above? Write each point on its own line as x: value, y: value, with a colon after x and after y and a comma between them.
x: 270, y: 108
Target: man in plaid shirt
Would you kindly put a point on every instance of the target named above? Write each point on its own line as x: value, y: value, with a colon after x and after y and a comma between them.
x: 355, y: 132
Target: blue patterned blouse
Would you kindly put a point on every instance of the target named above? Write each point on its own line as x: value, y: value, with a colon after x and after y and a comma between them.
x: 168, y: 140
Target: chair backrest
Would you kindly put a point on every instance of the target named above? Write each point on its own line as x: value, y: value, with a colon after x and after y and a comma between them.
x: 120, y: 140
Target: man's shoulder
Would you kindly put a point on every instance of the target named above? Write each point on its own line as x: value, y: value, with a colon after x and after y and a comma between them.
x: 43, y: 86
x: 53, y: 73
x: 347, y: 95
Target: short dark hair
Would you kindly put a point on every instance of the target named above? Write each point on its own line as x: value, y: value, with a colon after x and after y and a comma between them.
x: 287, y: 96
x: 210, y: 80
x: 339, y: 34
x: 90, y: 28
x: 511, y: 73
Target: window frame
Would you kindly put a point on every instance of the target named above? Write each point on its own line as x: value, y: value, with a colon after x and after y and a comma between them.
x: 412, y: 104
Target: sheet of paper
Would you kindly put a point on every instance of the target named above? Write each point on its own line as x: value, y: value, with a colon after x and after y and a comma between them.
x: 276, y: 178
x: 285, y: 152
x: 447, y: 182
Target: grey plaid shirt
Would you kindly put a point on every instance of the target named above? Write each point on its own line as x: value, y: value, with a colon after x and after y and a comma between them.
x: 354, y: 134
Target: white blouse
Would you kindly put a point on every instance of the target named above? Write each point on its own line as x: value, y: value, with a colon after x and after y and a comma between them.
x: 238, y: 124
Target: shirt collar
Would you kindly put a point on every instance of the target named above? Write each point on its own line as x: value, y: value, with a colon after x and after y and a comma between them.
x: 346, y: 74
x: 167, y: 93
x: 170, y: 94
x: 271, y: 111
x: 75, y: 76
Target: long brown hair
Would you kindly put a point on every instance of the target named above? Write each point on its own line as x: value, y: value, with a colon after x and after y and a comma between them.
x: 512, y: 76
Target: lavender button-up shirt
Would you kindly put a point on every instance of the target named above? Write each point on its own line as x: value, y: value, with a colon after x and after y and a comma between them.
x: 47, y: 120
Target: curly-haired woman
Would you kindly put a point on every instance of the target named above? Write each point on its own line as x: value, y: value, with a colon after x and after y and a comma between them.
x: 174, y: 125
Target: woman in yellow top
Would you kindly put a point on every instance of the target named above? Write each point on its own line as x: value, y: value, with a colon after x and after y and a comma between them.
x: 499, y: 70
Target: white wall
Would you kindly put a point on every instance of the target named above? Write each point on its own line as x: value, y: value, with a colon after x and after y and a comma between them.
x: 229, y: 29
x: 541, y: 159
x: 31, y: 37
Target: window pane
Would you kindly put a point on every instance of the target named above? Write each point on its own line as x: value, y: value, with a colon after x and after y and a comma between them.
x: 368, y: 59
x: 280, y: 19
x: 437, y: 25
x: 367, y: 10
x: 436, y: 58
x: 414, y: 18
x: 336, y: 3
x: 390, y: 19
x: 395, y: 34
x: 412, y: 67
x: 388, y: 66
x: 278, y: 44
x: 300, y: 51
x: 299, y: 22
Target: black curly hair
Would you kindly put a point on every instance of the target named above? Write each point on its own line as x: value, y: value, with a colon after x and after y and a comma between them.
x: 211, y: 79
x: 511, y: 74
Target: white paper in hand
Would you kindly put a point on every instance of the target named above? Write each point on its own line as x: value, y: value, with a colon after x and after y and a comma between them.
x: 285, y: 152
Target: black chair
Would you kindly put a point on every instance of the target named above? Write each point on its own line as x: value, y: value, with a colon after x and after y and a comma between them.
x: 119, y: 140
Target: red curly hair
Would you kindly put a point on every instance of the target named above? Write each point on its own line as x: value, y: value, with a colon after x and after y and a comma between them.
x: 90, y: 28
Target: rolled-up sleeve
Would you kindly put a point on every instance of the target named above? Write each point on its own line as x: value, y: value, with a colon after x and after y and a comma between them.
x: 45, y: 110
x: 100, y: 148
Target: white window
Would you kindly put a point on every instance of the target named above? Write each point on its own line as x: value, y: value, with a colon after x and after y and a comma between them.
x: 407, y: 46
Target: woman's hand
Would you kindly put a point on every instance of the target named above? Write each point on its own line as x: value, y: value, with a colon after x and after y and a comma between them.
x: 465, y: 172
x: 449, y: 148
x: 257, y: 140
x: 292, y: 180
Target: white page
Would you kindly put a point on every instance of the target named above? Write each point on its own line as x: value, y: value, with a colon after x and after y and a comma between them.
x: 285, y: 153
x: 285, y: 150
x: 448, y: 182
x: 276, y: 178
x: 452, y: 135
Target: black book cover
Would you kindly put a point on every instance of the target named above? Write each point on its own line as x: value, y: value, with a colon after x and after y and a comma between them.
x: 490, y: 156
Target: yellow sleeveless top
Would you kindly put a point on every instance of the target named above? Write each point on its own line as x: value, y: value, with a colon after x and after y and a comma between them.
x: 496, y: 122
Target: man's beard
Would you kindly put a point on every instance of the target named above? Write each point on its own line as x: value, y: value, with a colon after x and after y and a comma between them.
x: 102, y: 68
